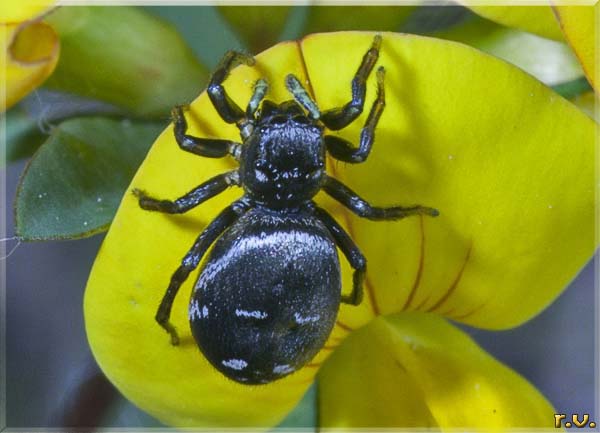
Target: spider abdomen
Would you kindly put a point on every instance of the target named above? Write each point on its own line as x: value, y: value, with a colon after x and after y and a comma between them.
x: 267, y: 296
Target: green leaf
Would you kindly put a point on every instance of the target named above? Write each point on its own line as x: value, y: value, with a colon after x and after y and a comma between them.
x: 198, y: 27
x: 338, y: 18
x: 23, y: 135
x: 74, y: 183
x: 258, y: 26
x: 126, y: 57
x: 428, y: 19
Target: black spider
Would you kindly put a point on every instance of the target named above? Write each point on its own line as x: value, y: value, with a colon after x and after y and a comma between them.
x: 268, y: 294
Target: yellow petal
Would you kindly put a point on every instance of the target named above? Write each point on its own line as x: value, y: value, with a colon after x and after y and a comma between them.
x: 535, y: 19
x: 31, y: 51
x: 417, y: 135
x: 416, y: 370
x: 577, y: 23
x: 508, y: 163
x: 16, y: 11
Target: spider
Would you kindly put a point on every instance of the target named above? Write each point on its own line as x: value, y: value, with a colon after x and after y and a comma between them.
x: 268, y: 293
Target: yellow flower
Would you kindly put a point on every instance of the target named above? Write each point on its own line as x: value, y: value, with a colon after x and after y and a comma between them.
x: 508, y: 163
x: 29, y: 47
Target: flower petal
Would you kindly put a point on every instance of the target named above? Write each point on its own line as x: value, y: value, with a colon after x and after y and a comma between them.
x: 415, y: 137
x: 508, y: 163
x: 577, y: 23
x: 17, y: 11
x: 535, y: 19
x: 137, y: 258
x: 31, y: 51
x: 416, y: 370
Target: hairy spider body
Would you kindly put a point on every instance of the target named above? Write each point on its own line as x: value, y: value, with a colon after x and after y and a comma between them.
x: 268, y: 293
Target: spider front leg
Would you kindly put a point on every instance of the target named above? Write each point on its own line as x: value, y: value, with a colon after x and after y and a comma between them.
x: 229, y: 111
x: 191, y: 260
x: 338, y: 118
x: 198, y: 195
x: 362, y: 208
x: 344, y: 150
x: 352, y: 253
x: 258, y: 94
x: 301, y: 95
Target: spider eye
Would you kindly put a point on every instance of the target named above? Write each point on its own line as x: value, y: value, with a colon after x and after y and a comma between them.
x: 260, y: 164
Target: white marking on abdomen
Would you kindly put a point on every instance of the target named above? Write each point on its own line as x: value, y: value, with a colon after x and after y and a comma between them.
x: 236, y: 364
x: 255, y: 314
x: 283, y: 369
x: 303, y: 320
x: 195, y: 312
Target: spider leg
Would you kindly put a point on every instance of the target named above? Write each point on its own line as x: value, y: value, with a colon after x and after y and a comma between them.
x: 362, y: 208
x: 209, y: 147
x: 340, y: 117
x: 260, y: 90
x: 191, y: 260
x: 300, y: 94
x: 225, y: 106
x: 344, y: 150
x: 198, y: 195
x: 352, y: 253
